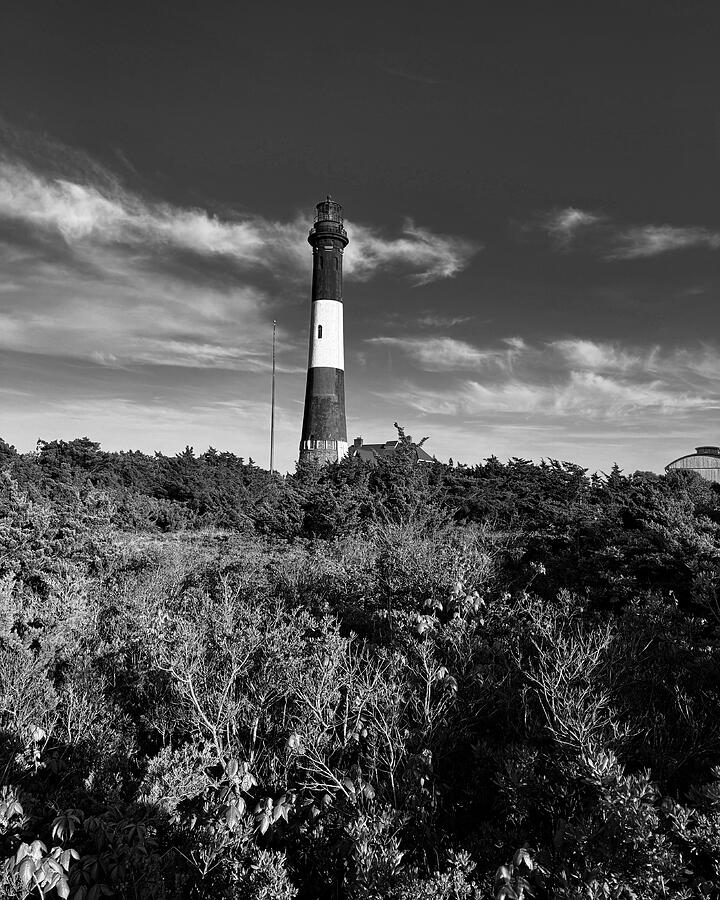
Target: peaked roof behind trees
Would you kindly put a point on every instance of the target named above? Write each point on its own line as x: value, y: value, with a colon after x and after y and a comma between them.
x: 372, y: 452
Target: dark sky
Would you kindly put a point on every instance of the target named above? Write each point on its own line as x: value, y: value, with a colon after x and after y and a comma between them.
x: 531, y: 193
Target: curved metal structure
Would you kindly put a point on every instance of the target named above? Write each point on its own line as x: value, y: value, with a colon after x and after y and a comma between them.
x: 705, y: 461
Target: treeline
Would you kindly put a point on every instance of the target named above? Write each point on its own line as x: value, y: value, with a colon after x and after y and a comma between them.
x: 149, y: 492
x: 393, y: 682
x: 604, y: 535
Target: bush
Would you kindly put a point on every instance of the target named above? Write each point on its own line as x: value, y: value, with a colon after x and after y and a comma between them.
x: 393, y: 682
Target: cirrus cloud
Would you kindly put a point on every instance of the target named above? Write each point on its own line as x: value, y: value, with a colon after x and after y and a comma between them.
x: 427, y: 255
x: 96, y: 270
x: 580, y: 395
x: 445, y: 354
x: 101, y: 212
x: 561, y: 378
x: 565, y: 225
x: 640, y: 241
x: 573, y: 228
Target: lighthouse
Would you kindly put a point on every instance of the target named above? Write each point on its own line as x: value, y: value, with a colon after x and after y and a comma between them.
x: 324, y: 432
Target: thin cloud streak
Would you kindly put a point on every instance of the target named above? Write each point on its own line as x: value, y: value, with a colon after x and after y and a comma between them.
x: 444, y: 354
x: 573, y: 228
x: 432, y: 321
x: 652, y: 240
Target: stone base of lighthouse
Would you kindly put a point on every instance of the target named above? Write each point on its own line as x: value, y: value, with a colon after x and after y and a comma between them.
x: 322, y: 452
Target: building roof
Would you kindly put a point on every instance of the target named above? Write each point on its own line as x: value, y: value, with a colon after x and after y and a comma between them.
x: 370, y: 453
x: 705, y: 461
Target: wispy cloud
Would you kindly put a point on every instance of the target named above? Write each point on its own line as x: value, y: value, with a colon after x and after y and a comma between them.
x: 581, y: 394
x: 444, y: 354
x: 564, y: 225
x: 93, y: 269
x: 133, y: 317
x: 652, y: 240
x: 434, y: 321
x: 82, y: 212
x: 427, y: 255
x: 604, y: 356
x: 573, y: 228
x: 562, y: 378
x: 98, y: 210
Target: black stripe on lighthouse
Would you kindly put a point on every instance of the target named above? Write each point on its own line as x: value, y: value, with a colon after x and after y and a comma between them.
x: 324, y: 417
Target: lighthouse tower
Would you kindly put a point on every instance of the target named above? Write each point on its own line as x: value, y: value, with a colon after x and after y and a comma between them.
x: 324, y: 432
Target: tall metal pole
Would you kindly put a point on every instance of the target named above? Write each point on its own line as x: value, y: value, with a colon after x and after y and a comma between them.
x: 272, y: 404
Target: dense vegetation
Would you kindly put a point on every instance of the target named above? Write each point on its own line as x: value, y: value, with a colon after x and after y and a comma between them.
x: 407, y: 681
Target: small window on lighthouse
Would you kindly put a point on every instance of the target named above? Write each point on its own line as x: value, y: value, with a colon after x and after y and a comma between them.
x: 319, y: 331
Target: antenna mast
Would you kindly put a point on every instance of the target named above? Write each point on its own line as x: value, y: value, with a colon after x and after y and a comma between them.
x: 272, y: 405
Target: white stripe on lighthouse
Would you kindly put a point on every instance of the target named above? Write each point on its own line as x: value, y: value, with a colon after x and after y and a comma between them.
x: 326, y: 335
